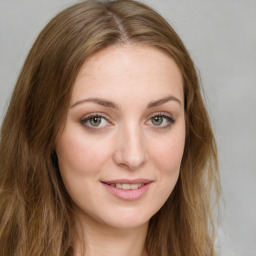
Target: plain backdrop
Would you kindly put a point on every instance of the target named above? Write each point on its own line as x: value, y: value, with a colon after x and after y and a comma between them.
x: 221, y: 37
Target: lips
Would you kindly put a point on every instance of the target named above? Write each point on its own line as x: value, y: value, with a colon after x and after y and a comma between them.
x: 127, y: 184
x: 126, y: 189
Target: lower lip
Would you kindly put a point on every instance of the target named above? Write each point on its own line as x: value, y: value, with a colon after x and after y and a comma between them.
x: 129, y: 194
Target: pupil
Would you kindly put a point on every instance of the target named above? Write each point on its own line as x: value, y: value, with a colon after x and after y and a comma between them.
x: 157, y: 120
x: 95, y: 121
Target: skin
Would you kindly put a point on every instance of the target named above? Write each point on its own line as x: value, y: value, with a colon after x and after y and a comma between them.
x: 141, y: 94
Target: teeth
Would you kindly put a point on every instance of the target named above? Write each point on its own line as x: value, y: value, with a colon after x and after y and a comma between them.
x: 135, y: 186
x: 119, y: 185
x: 127, y: 186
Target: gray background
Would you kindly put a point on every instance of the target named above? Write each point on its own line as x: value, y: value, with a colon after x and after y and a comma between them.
x: 221, y: 37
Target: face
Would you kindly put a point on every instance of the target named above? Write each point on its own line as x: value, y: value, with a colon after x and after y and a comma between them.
x: 121, y: 147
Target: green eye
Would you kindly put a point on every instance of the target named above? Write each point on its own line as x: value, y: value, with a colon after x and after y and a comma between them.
x: 95, y: 121
x: 161, y: 121
x: 157, y: 120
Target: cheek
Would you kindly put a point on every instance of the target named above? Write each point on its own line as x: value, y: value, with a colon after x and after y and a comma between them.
x: 80, y: 157
x: 167, y: 154
x: 80, y: 160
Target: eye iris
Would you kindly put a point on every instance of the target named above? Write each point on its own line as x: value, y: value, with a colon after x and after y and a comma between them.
x: 95, y: 121
x: 157, y: 120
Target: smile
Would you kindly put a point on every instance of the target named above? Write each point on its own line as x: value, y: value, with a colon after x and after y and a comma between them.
x: 128, y: 189
x: 127, y: 186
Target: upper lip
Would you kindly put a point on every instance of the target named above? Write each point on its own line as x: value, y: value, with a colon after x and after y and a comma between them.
x: 127, y: 181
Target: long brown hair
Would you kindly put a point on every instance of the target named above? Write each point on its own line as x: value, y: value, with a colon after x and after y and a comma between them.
x: 35, y: 209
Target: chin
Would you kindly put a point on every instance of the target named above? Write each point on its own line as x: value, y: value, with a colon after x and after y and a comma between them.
x: 128, y: 219
x: 125, y: 223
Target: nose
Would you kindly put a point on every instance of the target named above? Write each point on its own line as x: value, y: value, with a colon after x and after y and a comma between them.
x: 130, y: 151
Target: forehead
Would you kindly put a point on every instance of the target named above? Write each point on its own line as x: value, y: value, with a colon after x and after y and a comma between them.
x: 125, y: 69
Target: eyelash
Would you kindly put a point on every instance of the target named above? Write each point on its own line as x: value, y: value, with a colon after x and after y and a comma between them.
x: 90, y: 117
x: 169, y: 119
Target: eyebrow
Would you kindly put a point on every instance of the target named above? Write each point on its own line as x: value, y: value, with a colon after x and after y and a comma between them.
x: 162, y: 101
x: 102, y: 102
x: 109, y: 104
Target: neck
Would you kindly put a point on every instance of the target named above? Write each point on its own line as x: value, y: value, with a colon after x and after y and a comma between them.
x: 99, y: 239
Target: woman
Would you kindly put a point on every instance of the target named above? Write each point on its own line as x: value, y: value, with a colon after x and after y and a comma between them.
x: 106, y: 147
